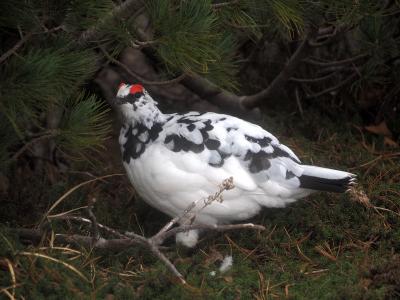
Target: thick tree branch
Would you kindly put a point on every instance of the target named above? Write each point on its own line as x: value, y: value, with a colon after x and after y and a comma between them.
x: 212, y: 93
x: 137, y: 76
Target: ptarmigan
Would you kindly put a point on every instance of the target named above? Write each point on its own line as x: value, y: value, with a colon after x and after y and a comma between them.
x: 175, y: 159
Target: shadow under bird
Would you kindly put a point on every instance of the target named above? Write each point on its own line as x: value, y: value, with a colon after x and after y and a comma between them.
x: 173, y: 160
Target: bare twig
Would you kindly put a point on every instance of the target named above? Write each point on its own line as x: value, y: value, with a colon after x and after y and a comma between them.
x: 22, y: 41
x: 333, y: 88
x: 167, y: 262
x: 334, y: 63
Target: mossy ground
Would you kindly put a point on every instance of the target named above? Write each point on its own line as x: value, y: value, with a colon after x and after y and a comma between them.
x: 326, y: 246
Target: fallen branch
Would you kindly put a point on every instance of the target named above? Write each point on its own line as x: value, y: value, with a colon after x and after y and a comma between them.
x: 127, y: 239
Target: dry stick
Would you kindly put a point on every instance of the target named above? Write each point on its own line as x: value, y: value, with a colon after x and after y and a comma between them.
x: 130, y: 238
x: 128, y: 235
x: 36, y: 235
x: 167, y: 262
x: 137, y: 76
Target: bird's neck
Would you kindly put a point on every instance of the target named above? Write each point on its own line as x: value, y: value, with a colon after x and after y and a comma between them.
x: 147, y: 115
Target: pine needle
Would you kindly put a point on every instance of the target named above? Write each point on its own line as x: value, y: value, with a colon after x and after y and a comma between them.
x: 68, y: 266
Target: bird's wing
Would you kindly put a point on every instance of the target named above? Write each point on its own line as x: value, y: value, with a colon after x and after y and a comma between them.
x: 252, y: 156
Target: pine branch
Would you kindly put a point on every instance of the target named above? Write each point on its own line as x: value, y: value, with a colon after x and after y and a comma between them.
x: 121, y: 11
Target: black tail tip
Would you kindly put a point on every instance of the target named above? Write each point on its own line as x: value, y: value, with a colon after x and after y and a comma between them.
x: 328, y: 185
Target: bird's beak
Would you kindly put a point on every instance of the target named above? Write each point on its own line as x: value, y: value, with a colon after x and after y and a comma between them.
x: 121, y: 93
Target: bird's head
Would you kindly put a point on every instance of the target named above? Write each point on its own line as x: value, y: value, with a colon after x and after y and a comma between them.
x: 136, y: 105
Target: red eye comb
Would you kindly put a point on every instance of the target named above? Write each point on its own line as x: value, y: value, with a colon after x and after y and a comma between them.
x: 121, y: 84
x: 136, y: 88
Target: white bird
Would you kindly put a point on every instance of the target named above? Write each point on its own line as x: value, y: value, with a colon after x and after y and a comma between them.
x: 173, y: 160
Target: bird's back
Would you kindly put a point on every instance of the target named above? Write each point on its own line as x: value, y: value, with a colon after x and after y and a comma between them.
x: 189, y: 155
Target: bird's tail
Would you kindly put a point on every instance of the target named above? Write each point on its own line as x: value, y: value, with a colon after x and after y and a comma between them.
x: 328, y: 180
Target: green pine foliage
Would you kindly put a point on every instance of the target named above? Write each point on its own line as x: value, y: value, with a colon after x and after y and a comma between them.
x: 48, y: 73
x: 189, y: 39
x: 82, y: 15
x: 379, y: 37
x: 85, y: 124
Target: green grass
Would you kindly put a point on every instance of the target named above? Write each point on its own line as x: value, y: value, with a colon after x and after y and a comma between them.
x: 326, y: 246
